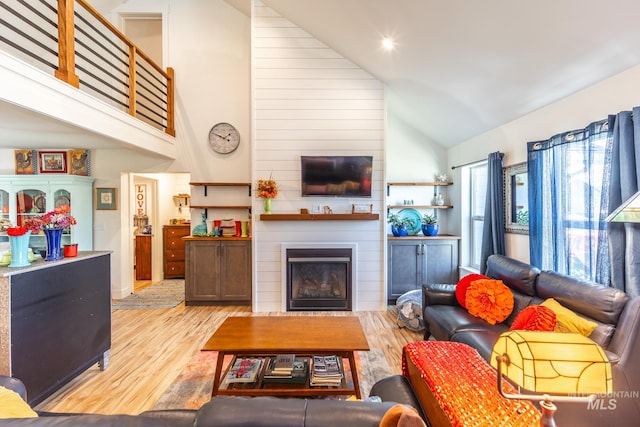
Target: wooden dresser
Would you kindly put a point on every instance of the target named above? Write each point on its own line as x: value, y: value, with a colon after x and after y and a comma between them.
x: 173, y: 250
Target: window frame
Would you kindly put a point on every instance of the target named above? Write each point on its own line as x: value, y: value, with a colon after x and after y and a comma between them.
x: 475, y: 248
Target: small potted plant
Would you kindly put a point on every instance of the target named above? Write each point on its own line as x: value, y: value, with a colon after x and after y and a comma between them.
x: 399, y: 225
x: 430, y: 225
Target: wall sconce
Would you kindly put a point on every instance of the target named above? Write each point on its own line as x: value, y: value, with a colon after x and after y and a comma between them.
x: 629, y: 211
x: 181, y: 200
x: 569, y: 366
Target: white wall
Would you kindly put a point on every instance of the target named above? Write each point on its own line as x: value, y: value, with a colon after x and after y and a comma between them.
x: 212, y: 64
x: 574, y: 112
x: 413, y: 157
x: 208, y: 45
x: 309, y: 100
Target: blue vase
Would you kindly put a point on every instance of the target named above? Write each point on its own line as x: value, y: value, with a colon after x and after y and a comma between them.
x: 430, y: 229
x: 20, y: 250
x: 399, y: 231
x: 54, y: 247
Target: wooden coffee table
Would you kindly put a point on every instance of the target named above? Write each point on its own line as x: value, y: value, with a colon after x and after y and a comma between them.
x: 300, y: 335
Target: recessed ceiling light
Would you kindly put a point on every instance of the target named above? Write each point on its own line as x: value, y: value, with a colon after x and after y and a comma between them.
x: 387, y: 43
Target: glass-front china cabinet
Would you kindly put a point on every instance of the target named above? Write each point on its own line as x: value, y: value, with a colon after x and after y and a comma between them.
x: 25, y: 196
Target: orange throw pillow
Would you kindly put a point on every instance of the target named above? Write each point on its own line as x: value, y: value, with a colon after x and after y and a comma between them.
x: 490, y: 300
x: 534, y: 318
x: 463, y: 285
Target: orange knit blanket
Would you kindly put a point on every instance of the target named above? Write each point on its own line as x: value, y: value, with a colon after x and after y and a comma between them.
x: 465, y: 386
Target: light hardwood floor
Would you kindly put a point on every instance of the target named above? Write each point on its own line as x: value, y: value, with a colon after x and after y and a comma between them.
x: 151, y: 347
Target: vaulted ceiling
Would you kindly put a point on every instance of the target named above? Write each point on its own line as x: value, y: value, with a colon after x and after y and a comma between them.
x: 463, y: 67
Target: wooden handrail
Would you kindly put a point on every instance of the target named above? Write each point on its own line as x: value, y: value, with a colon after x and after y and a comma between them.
x: 66, y: 58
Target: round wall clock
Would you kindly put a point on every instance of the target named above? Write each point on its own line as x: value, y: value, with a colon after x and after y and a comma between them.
x: 224, y: 138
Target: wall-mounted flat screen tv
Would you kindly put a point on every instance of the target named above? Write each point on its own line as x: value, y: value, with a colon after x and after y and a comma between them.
x: 336, y: 176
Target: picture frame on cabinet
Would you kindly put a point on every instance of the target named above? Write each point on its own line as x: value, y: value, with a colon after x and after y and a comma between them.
x: 26, y: 161
x: 106, y: 198
x: 78, y: 162
x: 52, y: 161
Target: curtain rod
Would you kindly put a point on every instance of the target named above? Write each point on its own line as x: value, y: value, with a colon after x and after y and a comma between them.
x: 467, y: 164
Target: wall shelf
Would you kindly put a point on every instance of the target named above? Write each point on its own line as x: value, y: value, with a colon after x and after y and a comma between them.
x: 221, y: 184
x: 419, y: 184
x: 419, y: 206
x: 219, y: 207
x: 206, y: 185
x: 434, y: 184
x: 320, y: 217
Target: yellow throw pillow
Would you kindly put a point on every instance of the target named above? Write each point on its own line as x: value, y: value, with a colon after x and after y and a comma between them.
x: 12, y: 405
x: 568, y: 321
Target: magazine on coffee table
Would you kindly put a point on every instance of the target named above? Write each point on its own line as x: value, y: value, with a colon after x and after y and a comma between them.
x: 326, y: 371
x: 244, y: 370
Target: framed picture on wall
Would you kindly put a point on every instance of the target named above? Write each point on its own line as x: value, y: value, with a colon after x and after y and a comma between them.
x: 26, y: 161
x: 78, y: 162
x: 106, y: 198
x: 52, y: 161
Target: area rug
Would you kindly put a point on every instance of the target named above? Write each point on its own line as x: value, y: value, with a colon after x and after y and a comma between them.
x: 192, y: 388
x: 165, y: 294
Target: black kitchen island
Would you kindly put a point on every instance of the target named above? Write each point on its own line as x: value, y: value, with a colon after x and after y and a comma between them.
x: 55, y: 320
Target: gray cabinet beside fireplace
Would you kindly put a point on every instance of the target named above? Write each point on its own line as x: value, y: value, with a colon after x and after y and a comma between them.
x: 414, y: 261
x: 217, y: 271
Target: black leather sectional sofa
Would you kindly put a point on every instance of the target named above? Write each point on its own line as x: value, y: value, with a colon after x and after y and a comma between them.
x: 227, y: 411
x: 618, y: 331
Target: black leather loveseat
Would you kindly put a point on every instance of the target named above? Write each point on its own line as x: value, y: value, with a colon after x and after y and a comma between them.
x: 224, y: 411
x: 618, y: 331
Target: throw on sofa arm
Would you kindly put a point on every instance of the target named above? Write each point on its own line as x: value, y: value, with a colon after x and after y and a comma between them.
x: 439, y: 294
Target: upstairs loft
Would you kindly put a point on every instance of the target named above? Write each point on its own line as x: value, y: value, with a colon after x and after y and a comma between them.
x: 71, y: 79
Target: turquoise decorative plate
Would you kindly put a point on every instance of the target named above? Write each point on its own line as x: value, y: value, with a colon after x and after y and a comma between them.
x: 416, y: 220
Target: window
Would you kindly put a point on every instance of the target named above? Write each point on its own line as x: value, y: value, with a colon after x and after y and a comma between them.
x: 567, y: 190
x: 477, y: 199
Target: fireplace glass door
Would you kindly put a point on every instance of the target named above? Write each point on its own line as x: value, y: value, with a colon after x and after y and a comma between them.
x: 318, y: 279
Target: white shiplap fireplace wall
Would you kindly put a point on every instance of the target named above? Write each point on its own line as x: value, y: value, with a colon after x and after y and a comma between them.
x: 309, y: 100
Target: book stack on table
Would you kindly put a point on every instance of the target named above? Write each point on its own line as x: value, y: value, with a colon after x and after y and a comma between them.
x: 287, y: 369
x: 244, y: 370
x: 326, y: 371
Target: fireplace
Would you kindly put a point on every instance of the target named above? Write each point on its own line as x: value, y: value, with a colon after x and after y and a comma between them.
x: 319, y: 279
